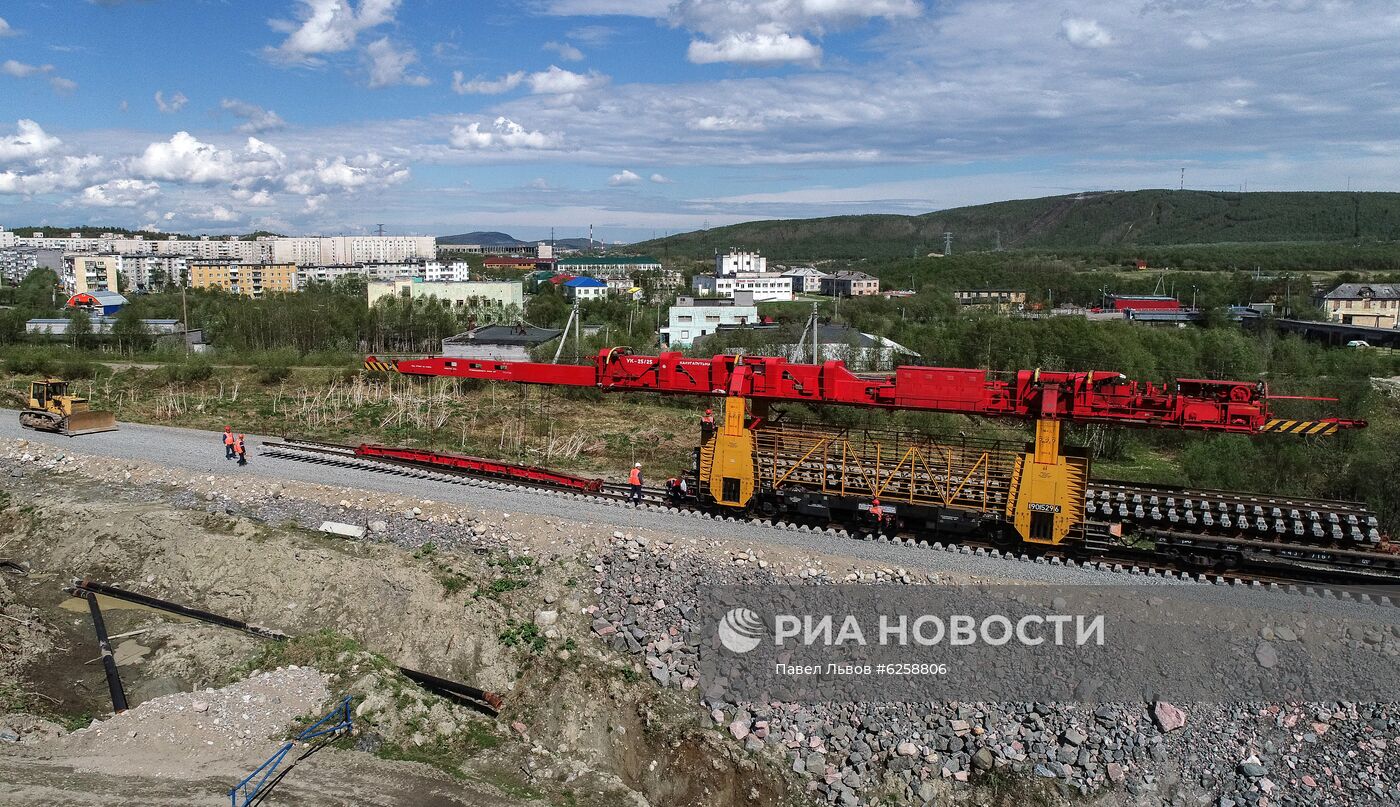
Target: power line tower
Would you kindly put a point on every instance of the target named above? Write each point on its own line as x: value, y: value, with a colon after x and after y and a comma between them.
x: 1182, y: 186
x: 947, y: 243
x: 381, y: 230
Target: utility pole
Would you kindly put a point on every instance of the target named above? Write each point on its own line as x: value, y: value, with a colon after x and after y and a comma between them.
x: 1182, y: 186
x: 185, y: 306
x: 947, y: 244
x: 381, y: 230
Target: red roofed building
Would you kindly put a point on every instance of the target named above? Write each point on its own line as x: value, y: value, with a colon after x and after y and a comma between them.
x: 1144, y: 302
x: 559, y: 279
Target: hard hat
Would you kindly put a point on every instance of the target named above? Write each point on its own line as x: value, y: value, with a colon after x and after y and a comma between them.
x: 228, y: 428
x: 874, y: 501
x: 638, y: 465
x: 709, y: 411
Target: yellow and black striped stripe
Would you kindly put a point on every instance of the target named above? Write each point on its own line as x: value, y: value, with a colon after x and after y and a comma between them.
x: 1280, y: 426
x: 378, y: 366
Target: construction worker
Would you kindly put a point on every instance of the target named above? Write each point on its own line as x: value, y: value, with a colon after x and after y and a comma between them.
x: 877, y: 513
x: 635, y: 480
x: 707, y: 424
x: 240, y: 450
x: 229, y: 453
x: 673, y: 489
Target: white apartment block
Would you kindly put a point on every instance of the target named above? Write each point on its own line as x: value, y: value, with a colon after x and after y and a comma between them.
x: 17, y: 262
x: 474, y: 293
x: 691, y: 318
x: 806, y: 279
x: 733, y: 263
x: 765, y: 286
x: 349, y: 249
x: 7, y: 239
x: 430, y: 271
x: 151, y: 272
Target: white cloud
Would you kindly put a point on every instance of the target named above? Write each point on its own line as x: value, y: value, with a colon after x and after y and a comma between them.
x: 255, y: 118
x: 62, y: 85
x: 557, y: 81
x: 774, y: 31
x: 623, y: 177
x: 483, y: 86
x: 183, y: 158
x: 218, y: 214
x: 174, y: 104
x: 389, y: 65
x: 567, y: 52
x: 752, y: 47
x: 328, y: 26
x: 119, y: 193
x: 259, y: 198
x: 662, y: 179
x: 1086, y: 33
x: 49, y: 174
x: 727, y: 123
x: 599, y: 8
x: 5, y: 29
x: 1199, y: 40
x: 504, y: 134
x: 10, y: 67
x: 342, y: 175
x: 29, y: 142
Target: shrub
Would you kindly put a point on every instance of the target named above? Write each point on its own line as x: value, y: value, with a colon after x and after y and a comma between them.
x: 73, y: 369
x: 272, y: 373
x: 31, y: 362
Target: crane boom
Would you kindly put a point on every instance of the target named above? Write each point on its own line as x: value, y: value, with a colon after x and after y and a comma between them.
x: 1094, y: 396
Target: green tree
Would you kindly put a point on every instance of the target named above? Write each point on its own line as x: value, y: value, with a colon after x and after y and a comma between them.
x: 129, y: 332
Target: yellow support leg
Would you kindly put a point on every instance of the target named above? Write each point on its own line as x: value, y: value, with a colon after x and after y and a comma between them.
x: 730, y: 469
x: 1046, y: 499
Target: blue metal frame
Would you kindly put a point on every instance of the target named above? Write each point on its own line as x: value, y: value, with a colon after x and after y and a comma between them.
x: 340, y: 714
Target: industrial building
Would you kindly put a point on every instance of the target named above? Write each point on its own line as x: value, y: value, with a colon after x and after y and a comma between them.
x: 498, y: 342
x: 998, y: 299
x: 59, y: 326
x: 744, y: 272
x: 104, y: 303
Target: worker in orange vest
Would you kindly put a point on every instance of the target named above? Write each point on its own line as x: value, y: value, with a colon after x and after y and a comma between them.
x: 635, y: 480
x: 228, y: 444
x: 707, y: 424
x: 241, y: 451
x: 877, y: 513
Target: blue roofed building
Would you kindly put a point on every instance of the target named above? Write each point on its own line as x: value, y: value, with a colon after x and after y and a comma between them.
x: 585, y: 288
x: 104, y: 303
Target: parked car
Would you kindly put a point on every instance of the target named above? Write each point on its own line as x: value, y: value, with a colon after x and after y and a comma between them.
x: 1358, y: 343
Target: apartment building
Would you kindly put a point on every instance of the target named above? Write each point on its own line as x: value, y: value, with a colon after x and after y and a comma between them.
x: 248, y: 279
x: 850, y: 284
x: 1376, y: 305
x: 17, y: 262
x: 692, y: 318
x: 806, y: 279
x: 765, y: 286
x: 473, y: 293
x: 87, y: 273
x: 152, y: 272
x: 733, y: 263
x: 349, y: 249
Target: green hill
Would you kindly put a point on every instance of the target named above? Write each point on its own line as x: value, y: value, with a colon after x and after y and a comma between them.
x: 1114, y: 218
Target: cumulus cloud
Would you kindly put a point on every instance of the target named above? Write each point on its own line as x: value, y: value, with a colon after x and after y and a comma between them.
x: 558, y: 81
x: 343, y: 174
x: 62, y: 85
x: 50, y: 174
x: 389, y: 65
x: 504, y: 134
x: 1086, y: 33
x: 484, y: 86
x: 255, y: 118
x: 661, y: 179
x: 10, y: 67
x: 754, y: 47
x: 727, y: 123
x: 774, y: 31
x: 5, y: 29
x: 623, y: 177
x: 29, y: 142
x: 328, y: 26
x: 175, y: 103
x: 184, y: 158
x: 119, y: 193
x: 567, y: 52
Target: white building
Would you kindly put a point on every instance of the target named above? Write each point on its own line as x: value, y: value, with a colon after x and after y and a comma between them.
x: 346, y: 249
x: 692, y: 318
x: 17, y: 262
x: 765, y: 286
x: 733, y: 263
x: 7, y: 239
x: 584, y: 288
x: 149, y: 272
x: 806, y: 279
x: 474, y: 293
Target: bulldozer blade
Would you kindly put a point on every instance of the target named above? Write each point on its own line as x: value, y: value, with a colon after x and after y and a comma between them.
x: 89, y: 422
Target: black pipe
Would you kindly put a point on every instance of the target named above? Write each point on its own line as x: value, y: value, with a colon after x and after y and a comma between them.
x: 488, y: 702
x: 109, y: 662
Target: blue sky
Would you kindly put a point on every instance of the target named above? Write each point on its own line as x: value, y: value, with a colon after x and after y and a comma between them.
x: 648, y: 116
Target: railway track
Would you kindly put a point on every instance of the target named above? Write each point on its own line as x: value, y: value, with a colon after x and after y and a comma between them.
x: 1254, y: 550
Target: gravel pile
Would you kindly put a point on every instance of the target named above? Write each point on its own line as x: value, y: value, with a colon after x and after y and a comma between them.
x: 1224, y: 755
x: 172, y: 735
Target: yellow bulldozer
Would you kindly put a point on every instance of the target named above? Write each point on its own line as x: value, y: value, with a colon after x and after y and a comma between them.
x: 52, y: 409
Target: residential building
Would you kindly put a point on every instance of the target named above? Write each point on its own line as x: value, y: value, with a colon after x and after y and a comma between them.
x: 515, y: 263
x: 17, y: 262
x: 344, y: 249
x: 469, y: 293
x: 584, y: 288
x: 859, y: 350
x: 692, y: 318
x: 7, y: 239
x: 248, y: 279
x: 734, y: 263
x: 91, y: 272
x: 150, y: 272
x: 805, y: 279
x: 765, y: 286
x: 498, y: 342
x: 1002, y: 299
x: 1376, y: 305
x: 847, y: 283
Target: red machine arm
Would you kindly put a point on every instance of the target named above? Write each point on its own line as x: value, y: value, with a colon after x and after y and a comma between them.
x: 1079, y: 397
